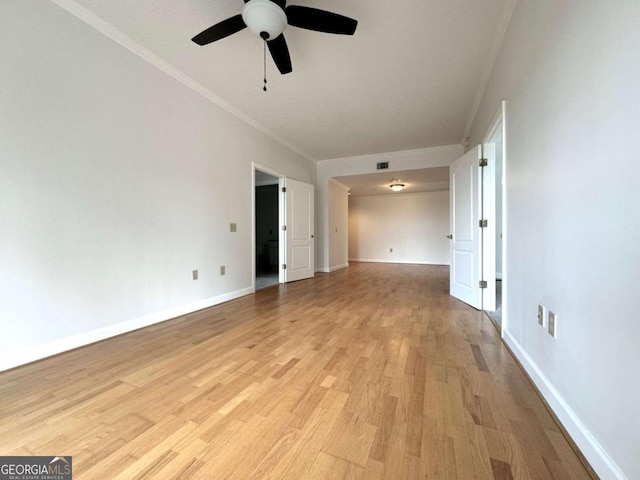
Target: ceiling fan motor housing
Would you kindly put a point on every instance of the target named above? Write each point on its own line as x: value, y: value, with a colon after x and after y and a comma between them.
x: 264, y: 18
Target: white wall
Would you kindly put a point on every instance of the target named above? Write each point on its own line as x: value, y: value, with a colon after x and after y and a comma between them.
x: 569, y: 72
x: 414, y: 225
x: 338, y: 225
x: 339, y: 167
x: 116, y: 181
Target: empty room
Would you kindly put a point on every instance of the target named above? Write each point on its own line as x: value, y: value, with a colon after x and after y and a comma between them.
x: 316, y: 239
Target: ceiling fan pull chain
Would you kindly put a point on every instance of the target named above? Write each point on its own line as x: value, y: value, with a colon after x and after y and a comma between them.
x: 265, y: 66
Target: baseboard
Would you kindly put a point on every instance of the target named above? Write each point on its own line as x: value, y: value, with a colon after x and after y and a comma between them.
x: 33, y: 353
x: 338, y: 267
x: 593, y: 452
x: 372, y: 260
x: 331, y: 269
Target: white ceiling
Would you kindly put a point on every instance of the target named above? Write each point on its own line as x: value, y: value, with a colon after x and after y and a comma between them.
x: 409, y: 78
x: 423, y: 180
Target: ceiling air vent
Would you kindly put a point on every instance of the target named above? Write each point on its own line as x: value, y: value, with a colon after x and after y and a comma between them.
x: 382, y: 165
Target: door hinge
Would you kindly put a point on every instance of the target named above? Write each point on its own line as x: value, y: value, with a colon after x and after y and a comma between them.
x: 284, y: 189
x: 284, y: 266
x: 284, y: 227
x: 484, y: 223
x: 483, y: 162
x: 483, y: 284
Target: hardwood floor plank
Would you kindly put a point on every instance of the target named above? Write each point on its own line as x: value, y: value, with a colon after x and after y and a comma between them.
x: 501, y: 470
x: 481, y: 363
x: 351, y: 439
x: 327, y: 467
x: 300, y: 456
x: 277, y: 452
x: 383, y: 432
x: 479, y: 452
x: 372, y: 372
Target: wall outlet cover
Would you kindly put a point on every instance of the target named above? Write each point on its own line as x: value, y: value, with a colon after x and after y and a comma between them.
x: 194, y: 274
x: 233, y: 228
x: 222, y: 270
x: 541, y: 315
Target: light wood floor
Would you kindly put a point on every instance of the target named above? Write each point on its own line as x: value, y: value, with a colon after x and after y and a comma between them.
x: 366, y: 373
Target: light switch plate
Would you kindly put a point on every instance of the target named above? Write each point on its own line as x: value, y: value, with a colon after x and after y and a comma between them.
x: 194, y: 274
x: 222, y: 270
x: 233, y: 228
x: 553, y: 324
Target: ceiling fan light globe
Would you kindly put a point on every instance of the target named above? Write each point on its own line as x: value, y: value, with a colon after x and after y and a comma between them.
x: 264, y: 16
x: 396, y: 187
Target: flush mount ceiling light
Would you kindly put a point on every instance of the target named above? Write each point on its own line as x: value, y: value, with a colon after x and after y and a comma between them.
x: 396, y: 185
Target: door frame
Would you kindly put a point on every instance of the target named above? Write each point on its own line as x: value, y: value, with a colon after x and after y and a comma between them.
x: 499, y: 120
x: 281, y: 215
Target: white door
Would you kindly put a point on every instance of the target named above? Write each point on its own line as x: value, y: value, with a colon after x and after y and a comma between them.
x: 466, y: 235
x: 299, y: 250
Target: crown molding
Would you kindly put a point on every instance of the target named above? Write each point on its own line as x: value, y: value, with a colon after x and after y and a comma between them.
x: 490, y: 64
x: 119, y: 37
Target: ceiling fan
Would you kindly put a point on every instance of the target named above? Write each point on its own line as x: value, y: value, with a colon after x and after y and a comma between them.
x: 269, y: 18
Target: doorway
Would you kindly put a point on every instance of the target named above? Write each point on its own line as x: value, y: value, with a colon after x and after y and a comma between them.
x: 283, y: 221
x: 494, y: 145
x: 478, y: 235
x: 266, y: 228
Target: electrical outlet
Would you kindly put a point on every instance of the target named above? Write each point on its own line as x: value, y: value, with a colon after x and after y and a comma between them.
x: 553, y: 324
x: 233, y: 228
x: 541, y: 315
x: 222, y: 270
x: 194, y: 274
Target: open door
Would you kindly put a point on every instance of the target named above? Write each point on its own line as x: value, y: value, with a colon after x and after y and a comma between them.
x: 473, y: 227
x: 465, y: 186
x: 299, y: 238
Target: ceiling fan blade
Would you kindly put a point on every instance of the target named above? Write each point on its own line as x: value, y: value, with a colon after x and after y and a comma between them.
x: 220, y: 30
x: 320, y: 20
x: 280, y: 53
